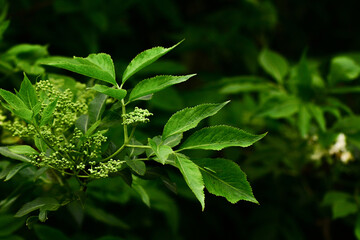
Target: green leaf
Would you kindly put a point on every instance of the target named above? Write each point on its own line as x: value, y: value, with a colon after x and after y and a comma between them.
x: 357, y: 227
x: 279, y: 107
x: 99, y: 66
x: 47, y: 114
x: 189, y: 118
x: 219, y: 137
x: 18, y: 106
x: 137, y: 166
x: 342, y: 203
x: 96, y: 108
x: 155, y: 84
x: 23, y: 149
x: 144, y: 59
x: 44, y: 232
x: 161, y: 151
x: 318, y: 114
x: 192, y: 176
x: 225, y: 178
x: 46, y: 203
x: 27, y: 93
x: 115, y: 93
x: 9, y: 224
x: 140, y: 190
x: 304, y: 120
x: 40, y: 144
x: 82, y: 123
x: 274, y: 64
x: 343, y: 69
x: 15, y: 169
x: 7, y: 153
x: 173, y: 140
x: 105, y: 217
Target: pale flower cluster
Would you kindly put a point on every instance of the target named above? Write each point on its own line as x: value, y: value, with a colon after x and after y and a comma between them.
x: 339, y: 149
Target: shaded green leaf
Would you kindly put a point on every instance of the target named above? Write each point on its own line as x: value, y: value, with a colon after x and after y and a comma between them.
x: 279, y: 107
x: 343, y: 69
x: 225, y: 178
x: 9, y: 224
x: 140, y: 190
x: 105, y: 217
x: 192, y: 176
x: 155, y: 84
x: 7, y: 153
x: 97, y: 107
x: 189, y: 118
x: 22, y: 149
x: 219, y: 137
x: 112, y: 92
x: 15, y: 169
x: 27, y: 93
x: 99, y: 66
x: 82, y: 123
x: 46, y: 203
x: 137, y: 166
x: 161, y: 151
x: 47, y: 114
x: 144, y: 59
x: 318, y: 114
x: 44, y: 232
x: 304, y: 119
x: 274, y: 64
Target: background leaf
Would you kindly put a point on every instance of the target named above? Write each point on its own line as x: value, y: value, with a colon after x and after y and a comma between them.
x: 274, y: 64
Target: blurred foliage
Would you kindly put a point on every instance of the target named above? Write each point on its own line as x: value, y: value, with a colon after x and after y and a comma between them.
x: 306, y: 99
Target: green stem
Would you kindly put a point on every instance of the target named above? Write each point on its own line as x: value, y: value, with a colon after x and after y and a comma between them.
x: 125, y: 126
x: 114, y: 154
x: 137, y: 146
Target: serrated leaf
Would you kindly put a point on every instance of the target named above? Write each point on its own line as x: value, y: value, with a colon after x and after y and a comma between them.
x: 155, y: 84
x: 99, y: 66
x: 219, y: 137
x: 46, y: 203
x: 15, y: 169
x: 144, y: 59
x: 7, y: 153
x: 192, y: 176
x: 22, y: 149
x: 189, y: 118
x: 27, y: 93
x: 173, y: 140
x: 47, y: 114
x: 274, y: 64
x: 225, y: 178
x: 161, y: 151
x: 112, y: 92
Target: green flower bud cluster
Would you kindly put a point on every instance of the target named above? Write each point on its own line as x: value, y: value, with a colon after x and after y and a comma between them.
x: 80, y: 154
x: 139, y: 115
x: 105, y: 168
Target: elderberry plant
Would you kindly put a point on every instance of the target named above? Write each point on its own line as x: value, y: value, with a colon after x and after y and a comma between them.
x: 69, y: 130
